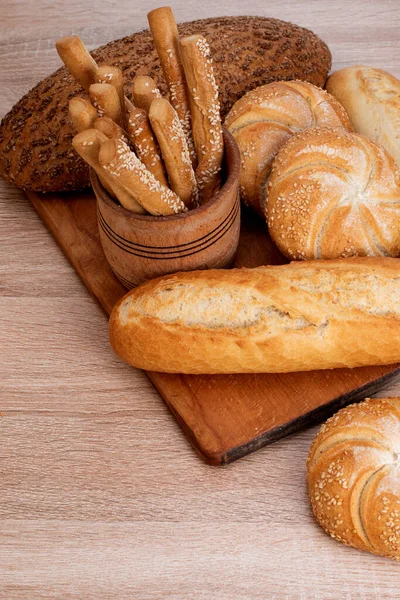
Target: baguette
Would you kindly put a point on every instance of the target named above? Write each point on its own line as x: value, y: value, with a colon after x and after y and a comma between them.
x: 36, y: 135
x: 166, y: 41
x: 174, y: 149
x: 295, y: 317
x: 129, y: 172
x: 144, y: 92
x: 372, y: 100
x: 205, y: 113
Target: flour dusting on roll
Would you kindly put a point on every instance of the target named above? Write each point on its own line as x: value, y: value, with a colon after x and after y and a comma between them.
x: 353, y: 476
x: 263, y: 120
x: 334, y: 194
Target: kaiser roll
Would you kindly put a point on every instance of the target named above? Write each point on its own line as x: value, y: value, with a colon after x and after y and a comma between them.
x: 334, y: 194
x: 263, y: 120
x: 353, y: 473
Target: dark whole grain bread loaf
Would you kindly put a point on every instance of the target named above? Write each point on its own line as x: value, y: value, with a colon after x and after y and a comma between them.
x: 35, y: 136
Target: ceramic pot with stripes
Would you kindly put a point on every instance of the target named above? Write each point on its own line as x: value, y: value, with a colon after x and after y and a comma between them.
x: 141, y: 247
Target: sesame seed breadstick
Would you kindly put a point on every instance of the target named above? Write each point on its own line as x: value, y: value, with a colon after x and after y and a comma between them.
x: 77, y: 59
x: 205, y: 111
x: 174, y: 149
x: 125, y: 168
x: 144, y: 91
x: 105, y: 98
x: 82, y: 113
x: 110, y: 129
x: 144, y: 142
x: 166, y: 41
x: 87, y: 144
x: 113, y: 76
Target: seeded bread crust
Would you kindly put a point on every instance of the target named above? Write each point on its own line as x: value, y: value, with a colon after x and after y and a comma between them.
x: 296, y: 317
x: 353, y: 476
x: 334, y: 194
x: 263, y: 120
x: 36, y: 135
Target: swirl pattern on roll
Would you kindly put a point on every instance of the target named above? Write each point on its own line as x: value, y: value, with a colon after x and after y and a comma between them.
x: 353, y: 475
x: 263, y: 120
x: 334, y: 194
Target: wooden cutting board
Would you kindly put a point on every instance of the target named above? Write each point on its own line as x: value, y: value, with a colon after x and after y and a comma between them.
x: 224, y: 416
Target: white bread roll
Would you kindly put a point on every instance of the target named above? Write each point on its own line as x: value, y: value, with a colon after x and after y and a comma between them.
x: 353, y: 476
x: 334, y: 194
x: 372, y: 100
x: 296, y: 317
x: 263, y: 120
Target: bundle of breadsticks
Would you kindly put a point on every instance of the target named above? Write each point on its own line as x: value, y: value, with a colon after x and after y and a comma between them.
x: 153, y: 155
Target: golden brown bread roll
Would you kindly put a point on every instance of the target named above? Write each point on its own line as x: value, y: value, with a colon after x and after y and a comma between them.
x: 353, y: 473
x: 334, y: 194
x: 266, y: 118
x: 36, y: 135
x: 297, y: 317
x: 371, y: 98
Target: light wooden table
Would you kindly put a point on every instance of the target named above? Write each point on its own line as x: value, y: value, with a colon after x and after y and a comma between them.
x: 101, y: 496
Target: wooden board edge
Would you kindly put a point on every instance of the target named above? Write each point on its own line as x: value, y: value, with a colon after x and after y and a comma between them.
x: 311, y: 418
x: 223, y: 458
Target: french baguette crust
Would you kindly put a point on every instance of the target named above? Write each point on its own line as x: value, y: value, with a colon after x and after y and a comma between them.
x: 295, y: 317
x: 36, y: 135
x: 371, y: 98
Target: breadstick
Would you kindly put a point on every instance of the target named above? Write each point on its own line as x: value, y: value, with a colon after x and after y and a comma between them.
x: 144, y: 91
x: 110, y: 129
x: 82, y: 113
x: 113, y: 76
x: 77, y: 59
x: 87, y: 144
x: 125, y: 167
x: 104, y: 97
x: 174, y: 150
x: 144, y: 142
x: 205, y: 111
x: 166, y: 41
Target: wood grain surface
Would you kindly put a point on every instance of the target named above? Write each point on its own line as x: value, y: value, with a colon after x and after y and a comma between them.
x: 225, y: 417
x: 100, y: 494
